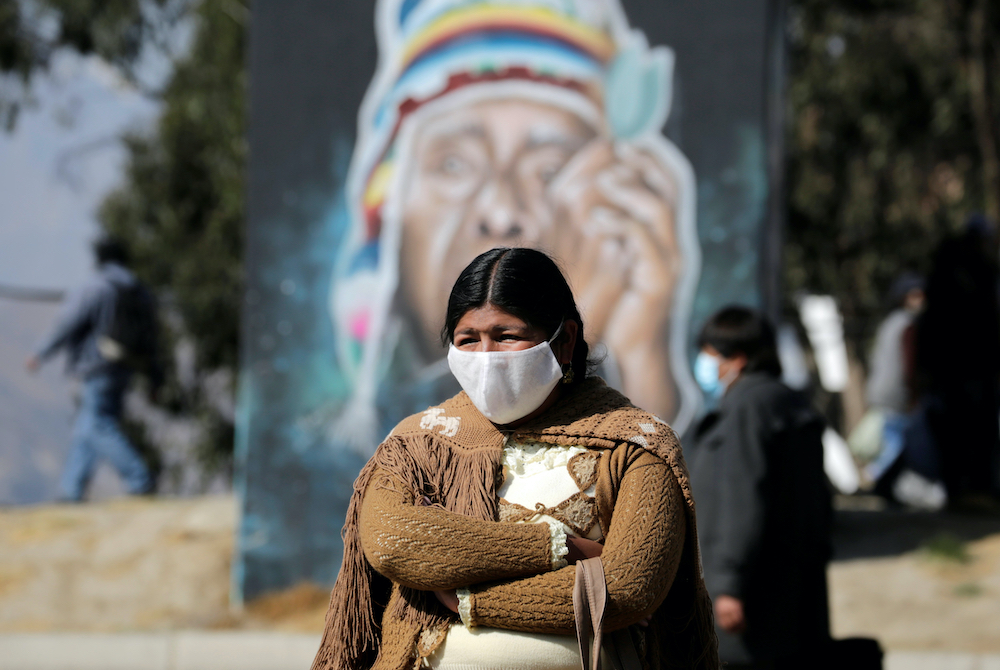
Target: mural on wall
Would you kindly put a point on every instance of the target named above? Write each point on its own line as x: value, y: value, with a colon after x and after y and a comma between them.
x: 383, y: 161
x: 517, y: 123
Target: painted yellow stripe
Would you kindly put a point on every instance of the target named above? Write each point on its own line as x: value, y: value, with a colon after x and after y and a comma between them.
x: 378, y: 185
x: 595, y: 41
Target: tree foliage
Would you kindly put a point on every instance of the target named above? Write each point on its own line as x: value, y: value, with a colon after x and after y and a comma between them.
x: 118, y: 31
x: 893, y: 141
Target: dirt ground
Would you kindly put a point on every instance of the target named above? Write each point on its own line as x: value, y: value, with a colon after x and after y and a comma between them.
x: 914, y: 581
x: 133, y: 564
x: 917, y: 580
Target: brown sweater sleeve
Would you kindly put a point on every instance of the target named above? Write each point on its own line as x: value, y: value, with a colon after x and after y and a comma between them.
x: 642, y: 552
x: 429, y: 549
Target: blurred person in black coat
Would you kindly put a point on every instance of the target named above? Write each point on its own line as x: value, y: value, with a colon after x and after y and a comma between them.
x: 958, y: 364
x: 764, y: 507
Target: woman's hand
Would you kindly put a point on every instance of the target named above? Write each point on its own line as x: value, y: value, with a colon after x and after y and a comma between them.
x: 581, y: 548
x: 448, y: 598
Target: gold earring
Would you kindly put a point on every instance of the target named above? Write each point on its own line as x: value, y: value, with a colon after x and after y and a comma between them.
x: 568, y: 374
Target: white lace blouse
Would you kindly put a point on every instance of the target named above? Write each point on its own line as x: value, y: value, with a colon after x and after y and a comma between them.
x: 542, y: 484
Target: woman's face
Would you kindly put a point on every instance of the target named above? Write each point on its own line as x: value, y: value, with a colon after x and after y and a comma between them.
x: 489, y: 328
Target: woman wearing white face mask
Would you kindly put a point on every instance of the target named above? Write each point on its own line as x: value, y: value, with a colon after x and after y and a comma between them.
x: 464, y: 525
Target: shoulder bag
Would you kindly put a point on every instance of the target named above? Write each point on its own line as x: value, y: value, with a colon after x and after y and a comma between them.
x: 590, y: 598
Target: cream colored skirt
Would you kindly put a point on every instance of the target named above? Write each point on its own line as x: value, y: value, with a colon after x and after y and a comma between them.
x: 495, y: 649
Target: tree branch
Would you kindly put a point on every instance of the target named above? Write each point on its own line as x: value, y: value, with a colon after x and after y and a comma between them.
x: 982, y: 108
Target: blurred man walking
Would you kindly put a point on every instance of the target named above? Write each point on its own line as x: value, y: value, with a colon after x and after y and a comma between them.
x: 108, y: 329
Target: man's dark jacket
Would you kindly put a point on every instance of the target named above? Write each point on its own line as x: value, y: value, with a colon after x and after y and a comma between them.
x: 764, y: 516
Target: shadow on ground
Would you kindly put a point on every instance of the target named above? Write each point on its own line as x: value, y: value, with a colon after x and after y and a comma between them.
x: 864, y: 528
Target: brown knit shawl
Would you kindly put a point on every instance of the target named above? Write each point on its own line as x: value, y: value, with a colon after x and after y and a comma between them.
x: 457, y: 467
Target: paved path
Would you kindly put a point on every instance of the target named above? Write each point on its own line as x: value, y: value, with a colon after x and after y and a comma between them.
x: 938, y: 660
x: 201, y: 650
x: 194, y: 650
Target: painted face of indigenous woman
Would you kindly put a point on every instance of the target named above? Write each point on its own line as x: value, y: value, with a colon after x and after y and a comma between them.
x: 479, y: 180
x: 518, y: 123
x: 511, y: 172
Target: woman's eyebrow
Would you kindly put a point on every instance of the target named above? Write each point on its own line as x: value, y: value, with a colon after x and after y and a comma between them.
x: 511, y: 327
x: 494, y: 328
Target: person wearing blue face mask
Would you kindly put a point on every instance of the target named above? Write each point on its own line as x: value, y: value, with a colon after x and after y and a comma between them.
x: 714, y: 373
x: 763, y: 503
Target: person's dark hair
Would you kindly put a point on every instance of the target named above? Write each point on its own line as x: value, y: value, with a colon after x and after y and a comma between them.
x: 906, y: 282
x: 110, y: 250
x: 978, y: 226
x: 737, y: 330
x: 525, y: 283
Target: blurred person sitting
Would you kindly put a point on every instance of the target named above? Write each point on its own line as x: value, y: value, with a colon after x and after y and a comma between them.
x: 108, y: 330
x: 764, y: 507
x: 888, y: 390
x: 903, y: 461
x: 958, y: 364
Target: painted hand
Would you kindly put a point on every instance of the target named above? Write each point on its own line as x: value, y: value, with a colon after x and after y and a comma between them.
x: 615, y: 226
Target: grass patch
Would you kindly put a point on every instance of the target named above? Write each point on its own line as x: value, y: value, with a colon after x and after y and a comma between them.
x: 946, y: 548
x: 968, y: 590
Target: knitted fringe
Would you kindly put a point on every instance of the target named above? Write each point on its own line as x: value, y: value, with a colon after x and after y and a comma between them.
x: 435, y: 474
x: 350, y: 636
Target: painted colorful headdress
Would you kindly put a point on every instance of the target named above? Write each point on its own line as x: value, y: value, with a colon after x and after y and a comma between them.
x: 579, y: 53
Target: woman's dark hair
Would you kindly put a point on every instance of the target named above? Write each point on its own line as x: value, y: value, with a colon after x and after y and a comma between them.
x: 110, y: 250
x: 738, y: 330
x: 525, y: 283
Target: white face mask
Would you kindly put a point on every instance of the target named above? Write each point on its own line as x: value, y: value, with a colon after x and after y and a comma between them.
x: 507, y: 385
